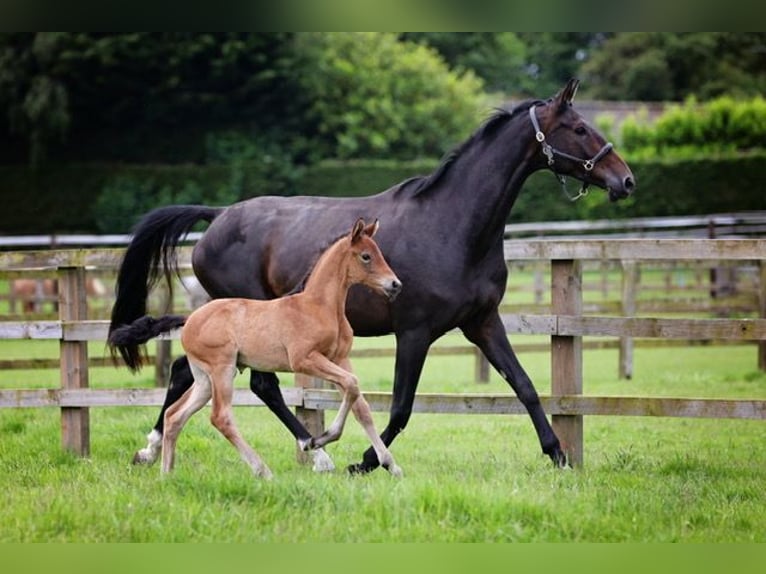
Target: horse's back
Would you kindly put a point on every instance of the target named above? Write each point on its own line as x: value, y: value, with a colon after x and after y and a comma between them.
x: 263, y: 247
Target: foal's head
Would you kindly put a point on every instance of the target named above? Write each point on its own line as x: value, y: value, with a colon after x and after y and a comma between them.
x: 367, y: 264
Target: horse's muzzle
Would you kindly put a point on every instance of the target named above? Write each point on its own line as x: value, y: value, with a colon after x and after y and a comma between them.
x: 628, y: 185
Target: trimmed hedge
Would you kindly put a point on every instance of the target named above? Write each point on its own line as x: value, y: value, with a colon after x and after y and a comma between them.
x: 64, y: 199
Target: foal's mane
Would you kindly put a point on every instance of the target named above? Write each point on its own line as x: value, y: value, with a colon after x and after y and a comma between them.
x: 491, y: 125
x: 301, y: 285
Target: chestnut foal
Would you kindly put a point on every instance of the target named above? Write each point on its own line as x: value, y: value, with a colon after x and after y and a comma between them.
x: 303, y: 333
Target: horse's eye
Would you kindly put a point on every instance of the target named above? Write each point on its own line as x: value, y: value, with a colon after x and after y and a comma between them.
x: 365, y: 257
x: 580, y: 130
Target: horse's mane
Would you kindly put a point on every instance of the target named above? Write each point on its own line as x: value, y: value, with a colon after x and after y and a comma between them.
x: 499, y: 117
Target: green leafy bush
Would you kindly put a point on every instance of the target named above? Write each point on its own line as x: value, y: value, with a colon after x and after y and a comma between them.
x: 376, y: 97
x: 721, y: 125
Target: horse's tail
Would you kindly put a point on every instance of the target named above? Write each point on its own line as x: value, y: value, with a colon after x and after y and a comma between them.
x: 150, y: 254
x: 140, y: 331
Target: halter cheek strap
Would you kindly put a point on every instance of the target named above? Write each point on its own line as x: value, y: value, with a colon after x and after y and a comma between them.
x: 550, y: 152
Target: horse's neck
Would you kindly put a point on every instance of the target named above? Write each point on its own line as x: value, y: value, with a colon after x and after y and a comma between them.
x: 485, y: 182
x: 328, y: 282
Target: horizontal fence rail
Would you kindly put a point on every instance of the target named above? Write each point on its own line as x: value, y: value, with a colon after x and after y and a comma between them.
x: 565, y: 323
x: 431, y: 403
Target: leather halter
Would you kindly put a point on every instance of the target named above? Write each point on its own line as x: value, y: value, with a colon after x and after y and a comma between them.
x: 550, y: 152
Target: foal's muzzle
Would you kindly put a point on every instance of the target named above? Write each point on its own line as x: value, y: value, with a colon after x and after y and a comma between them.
x: 392, y: 288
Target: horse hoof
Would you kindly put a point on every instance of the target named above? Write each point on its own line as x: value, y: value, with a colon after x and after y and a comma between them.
x: 358, y: 469
x: 560, y: 459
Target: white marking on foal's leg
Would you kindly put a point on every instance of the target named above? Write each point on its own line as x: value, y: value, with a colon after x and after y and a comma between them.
x: 151, y: 452
x: 322, y: 461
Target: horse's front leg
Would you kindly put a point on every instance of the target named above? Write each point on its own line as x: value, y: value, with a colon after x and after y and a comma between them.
x: 266, y: 387
x: 489, y: 335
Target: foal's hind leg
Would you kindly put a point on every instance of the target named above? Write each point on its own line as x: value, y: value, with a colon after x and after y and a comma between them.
x: 180, y: 381
x: 180, y: 412
x: 223, y: 419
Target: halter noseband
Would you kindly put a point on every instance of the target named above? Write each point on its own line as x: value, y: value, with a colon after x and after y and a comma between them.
x: 550, y: 152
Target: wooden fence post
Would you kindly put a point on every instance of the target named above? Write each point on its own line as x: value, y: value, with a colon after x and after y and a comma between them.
x: 629, y: 285
x: 75, y: 421
x: 566, y: 355
x: 762, y: 312
x: 481, y: 367
x: 312, y: 419
x: 163, y: 356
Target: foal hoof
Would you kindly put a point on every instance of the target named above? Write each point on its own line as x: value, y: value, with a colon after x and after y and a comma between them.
x: 395, y: 470
x: 143, y: 458
x: 322, y: 461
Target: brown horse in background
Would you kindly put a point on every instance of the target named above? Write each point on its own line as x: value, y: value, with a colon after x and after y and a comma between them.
x: 34, y: 292
x: 303, y: 333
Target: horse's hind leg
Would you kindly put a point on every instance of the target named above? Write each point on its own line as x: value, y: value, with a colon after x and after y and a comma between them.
x: 223, y: 419
x: 180, y: 412
x: 180, y: 380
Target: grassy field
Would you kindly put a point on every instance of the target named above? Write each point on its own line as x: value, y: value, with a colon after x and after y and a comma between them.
x: 467, y: 478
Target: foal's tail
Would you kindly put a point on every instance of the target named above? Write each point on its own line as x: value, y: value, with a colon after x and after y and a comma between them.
x: 150, y: 255
x: 140, y: 331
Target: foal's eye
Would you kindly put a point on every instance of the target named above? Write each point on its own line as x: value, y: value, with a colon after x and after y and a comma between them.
x: 365, y: 257
x: 580, y: 130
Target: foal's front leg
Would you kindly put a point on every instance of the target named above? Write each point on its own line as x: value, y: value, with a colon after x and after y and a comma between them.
x: 353, y: 398
x: 317, y: 365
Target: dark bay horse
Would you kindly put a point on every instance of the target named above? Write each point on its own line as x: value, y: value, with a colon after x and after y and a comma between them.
x: 442, y: 234
x: 307, y: 332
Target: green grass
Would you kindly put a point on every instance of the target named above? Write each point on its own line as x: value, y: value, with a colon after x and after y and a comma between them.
x: 467, y: 478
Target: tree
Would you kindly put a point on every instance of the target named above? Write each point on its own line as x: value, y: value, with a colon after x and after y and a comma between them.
x: 82, y: 85
x: 673, y: 66
x: 374, y: 96
x: 500, y: 59
x: 555, y: 57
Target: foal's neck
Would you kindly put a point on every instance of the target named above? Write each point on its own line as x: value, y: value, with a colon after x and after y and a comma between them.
x: 328, y: 281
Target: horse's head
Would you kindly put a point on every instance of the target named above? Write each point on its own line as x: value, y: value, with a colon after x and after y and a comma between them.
x: 368, y: 266
x: 570, y: 146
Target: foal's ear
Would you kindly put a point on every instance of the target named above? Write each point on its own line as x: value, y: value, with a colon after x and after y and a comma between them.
x: 372, y: 228
x: 357, y: 230
x: 566, y: 96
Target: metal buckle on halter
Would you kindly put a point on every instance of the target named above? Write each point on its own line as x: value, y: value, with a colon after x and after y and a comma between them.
x: 548, y: 152
x: 588, y: 165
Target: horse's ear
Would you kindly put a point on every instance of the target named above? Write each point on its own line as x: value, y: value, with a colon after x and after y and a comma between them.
x: 357, y: 230
x: 566, y: 96
x: 372, y: 228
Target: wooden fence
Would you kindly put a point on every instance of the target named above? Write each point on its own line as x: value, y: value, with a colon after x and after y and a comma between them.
x: 566, y: 326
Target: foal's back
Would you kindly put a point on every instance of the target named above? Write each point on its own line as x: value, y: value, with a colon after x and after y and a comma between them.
x: 243, y: 331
